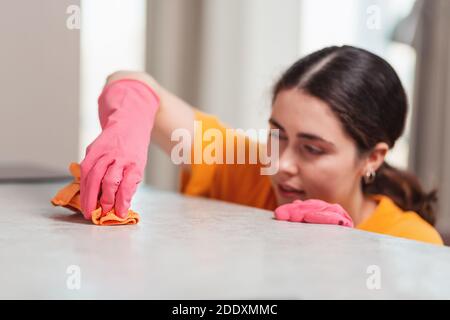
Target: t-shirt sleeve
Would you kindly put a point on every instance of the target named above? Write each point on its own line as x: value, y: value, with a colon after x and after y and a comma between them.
x: 229, y: 167
x: 200, y: 178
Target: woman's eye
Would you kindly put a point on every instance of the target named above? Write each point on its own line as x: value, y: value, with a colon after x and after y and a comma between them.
x: 313, y: 150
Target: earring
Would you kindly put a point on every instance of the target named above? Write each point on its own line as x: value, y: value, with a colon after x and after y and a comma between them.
x: 369, y: 177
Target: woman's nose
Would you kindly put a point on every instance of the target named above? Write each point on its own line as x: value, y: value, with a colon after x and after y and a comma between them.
x: 288, y: 162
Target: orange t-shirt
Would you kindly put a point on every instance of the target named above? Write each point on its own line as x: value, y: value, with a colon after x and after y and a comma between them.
x: 244, y: 184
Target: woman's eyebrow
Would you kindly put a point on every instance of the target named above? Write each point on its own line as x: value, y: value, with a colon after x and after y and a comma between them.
x: 310, y: 136
x: 276, y: 124
x: 304, y: 135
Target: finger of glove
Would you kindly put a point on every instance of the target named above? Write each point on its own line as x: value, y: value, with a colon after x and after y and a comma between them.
x: 127, y: 188
x: 90, y: 186
x: 110, y: 185
x: 325, y: 217
x: 296, y: 214
x: 282, y: 212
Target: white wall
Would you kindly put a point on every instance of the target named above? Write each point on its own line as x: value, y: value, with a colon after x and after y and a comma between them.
x: 39, y: 63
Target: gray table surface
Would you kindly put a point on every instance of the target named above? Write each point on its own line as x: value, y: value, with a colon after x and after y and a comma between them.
x: 193, y: 248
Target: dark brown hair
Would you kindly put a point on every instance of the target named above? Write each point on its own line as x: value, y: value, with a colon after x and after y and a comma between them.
x: 366, y: 94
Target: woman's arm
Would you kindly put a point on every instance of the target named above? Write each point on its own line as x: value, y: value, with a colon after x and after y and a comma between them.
x: 173, y: 113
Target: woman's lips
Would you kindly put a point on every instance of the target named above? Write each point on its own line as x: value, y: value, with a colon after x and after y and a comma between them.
x: 289, y: 192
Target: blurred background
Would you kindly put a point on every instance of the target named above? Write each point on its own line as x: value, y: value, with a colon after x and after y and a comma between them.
x: 222, y: 56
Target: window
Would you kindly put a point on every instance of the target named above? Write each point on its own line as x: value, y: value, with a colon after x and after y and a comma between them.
x: 112, y: 38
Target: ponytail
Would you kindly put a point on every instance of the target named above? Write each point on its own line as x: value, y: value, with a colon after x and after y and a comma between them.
x: 405, y: 190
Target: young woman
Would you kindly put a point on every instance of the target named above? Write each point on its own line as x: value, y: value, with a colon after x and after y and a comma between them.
x: 338, y: 110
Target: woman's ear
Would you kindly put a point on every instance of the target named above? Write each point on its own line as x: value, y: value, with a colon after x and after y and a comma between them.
x: 375, y: 158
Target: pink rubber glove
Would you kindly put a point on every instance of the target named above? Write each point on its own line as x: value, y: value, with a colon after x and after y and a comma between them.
x: 314, y: 211
x: 115, y: 161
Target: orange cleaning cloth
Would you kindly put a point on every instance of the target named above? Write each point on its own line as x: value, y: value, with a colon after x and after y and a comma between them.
x: 69, y: 197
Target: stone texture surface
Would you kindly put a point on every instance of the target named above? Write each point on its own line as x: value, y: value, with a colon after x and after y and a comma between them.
x: 193, y: 248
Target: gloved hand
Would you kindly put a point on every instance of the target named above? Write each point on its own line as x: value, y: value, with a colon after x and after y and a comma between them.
x: 115, y: 161
x: 314, y: 211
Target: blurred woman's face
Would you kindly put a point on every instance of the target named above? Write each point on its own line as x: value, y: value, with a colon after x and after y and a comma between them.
x: 317, y: 158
